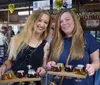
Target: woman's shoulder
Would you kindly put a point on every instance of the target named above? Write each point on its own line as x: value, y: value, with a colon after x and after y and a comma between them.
x: 15, y: 38
x: 88, y: 36
x: 91, y: 42
x: 47, y: 44
x: 14, y: 41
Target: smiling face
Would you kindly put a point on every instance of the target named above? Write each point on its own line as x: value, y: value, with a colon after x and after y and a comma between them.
x: 67, y: 24
x: 41, y: 24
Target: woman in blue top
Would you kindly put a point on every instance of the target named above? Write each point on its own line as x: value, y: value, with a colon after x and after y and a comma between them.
x: 82, y: 47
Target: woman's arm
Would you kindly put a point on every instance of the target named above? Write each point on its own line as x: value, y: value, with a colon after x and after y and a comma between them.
x: 8, y: 63
x: 95, y: 59
x: 41, y: 70
x: 95, y: 63
x: 46, y: 54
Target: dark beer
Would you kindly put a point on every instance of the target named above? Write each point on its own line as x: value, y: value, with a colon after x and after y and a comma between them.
x: 20, y: 74
x: 69, y: 68
x: 80, y: 70
x: 56, y: 68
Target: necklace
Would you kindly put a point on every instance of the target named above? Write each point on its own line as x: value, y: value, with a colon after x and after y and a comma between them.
x: 35, y: 45
x: 32, y: 51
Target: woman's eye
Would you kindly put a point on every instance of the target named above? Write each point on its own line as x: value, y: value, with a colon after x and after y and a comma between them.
x: 67, y: 19
x: 40, y: 20
x: 46, y: 22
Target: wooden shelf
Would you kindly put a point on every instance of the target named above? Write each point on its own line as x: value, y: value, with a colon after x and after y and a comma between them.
x: 20, y: 80
x: 69, y: 74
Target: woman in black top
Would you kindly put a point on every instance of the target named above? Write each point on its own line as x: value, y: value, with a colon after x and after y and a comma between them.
x: 29, y: 47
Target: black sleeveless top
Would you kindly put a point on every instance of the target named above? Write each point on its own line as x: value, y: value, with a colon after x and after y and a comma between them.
x: 29, y: 56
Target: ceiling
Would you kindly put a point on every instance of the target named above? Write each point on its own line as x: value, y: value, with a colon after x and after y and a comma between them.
x: 18, y: 3
x: 5, y: 2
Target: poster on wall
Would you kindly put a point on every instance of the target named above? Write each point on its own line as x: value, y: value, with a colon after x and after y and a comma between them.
x: 66, y: 4
x: 44, y: 4
x: 92, y: 23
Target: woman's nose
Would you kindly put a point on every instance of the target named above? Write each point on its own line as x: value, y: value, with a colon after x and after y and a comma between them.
x: 64, y: 22
x: 42, y: 24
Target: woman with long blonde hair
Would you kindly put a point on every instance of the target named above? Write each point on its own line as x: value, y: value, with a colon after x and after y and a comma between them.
x: 30, y: 46
x: 69, y: 40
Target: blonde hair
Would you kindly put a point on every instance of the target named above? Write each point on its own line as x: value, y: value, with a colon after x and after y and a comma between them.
x: 22, y: 39
x: 78, y: 42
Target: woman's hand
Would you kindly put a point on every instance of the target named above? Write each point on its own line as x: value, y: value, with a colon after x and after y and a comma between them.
x: 50, y: 64
x: 90, y: 69
x: 41, y: 71
x: 2, y: 69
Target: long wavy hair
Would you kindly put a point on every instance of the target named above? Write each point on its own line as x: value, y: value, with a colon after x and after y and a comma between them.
x: 22, y: 39
x: 78, y: 42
